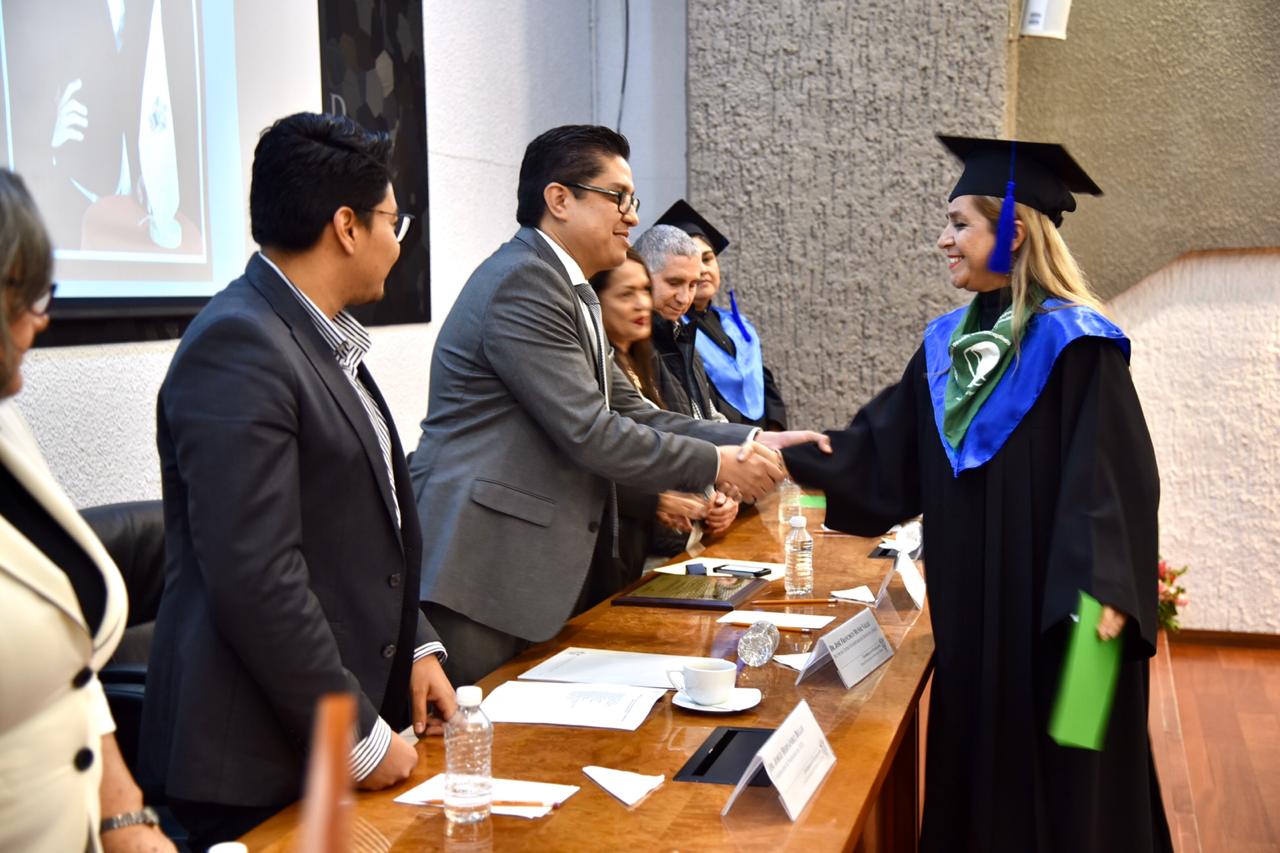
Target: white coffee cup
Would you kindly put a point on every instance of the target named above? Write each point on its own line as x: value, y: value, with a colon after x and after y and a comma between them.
x: 706, y: 682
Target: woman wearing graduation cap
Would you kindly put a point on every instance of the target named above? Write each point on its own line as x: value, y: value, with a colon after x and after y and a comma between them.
x: 1017, y: 432
x: 729, y: 346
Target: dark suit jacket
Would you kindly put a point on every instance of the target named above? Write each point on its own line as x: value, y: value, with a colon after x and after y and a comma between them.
x: 518, y: 446
x: 287, y: 574
x: 682, y: 378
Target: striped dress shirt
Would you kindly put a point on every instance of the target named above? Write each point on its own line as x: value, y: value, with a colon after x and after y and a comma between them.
x: 350, y: 342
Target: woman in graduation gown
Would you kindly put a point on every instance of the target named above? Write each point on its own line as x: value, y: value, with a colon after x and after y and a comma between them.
x: 743, y: 387
x: 64, y: 785
x: 1016, y: 431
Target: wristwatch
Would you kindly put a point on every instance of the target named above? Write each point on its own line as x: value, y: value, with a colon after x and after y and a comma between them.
x: 143, y: 816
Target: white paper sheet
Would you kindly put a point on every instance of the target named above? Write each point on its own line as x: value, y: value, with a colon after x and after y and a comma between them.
x: 511, y: 790
x: 628, y: 787
x: 607, y: 666
x: 776, y: 570
x: 593, y: 706
x: 782, y: 620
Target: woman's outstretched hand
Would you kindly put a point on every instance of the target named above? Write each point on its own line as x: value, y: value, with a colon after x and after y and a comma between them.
x: 790, y: 438
x: 1110, y: 623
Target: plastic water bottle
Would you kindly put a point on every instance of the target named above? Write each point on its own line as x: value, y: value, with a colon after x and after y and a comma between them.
x: 789, y: 495
x: 468, y: 745
x: 758, y: 643
x: 799, y: 558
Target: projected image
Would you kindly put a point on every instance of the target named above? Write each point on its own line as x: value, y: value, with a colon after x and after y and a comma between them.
x: 103, y: 117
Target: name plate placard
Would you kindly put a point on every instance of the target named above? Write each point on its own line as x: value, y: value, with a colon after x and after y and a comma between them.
x: 796, y: 757
x: 857, y: 646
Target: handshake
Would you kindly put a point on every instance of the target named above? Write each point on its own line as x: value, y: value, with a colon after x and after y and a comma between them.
x: 749, y: 471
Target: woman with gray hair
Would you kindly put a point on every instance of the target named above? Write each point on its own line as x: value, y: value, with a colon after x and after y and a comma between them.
x: 64, y: 785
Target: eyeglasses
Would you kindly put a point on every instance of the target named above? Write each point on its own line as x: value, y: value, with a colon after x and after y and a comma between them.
x: 627, y: 202
x: 402, y: 223
x: 41, y: 306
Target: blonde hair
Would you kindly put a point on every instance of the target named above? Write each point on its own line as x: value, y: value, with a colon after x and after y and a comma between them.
x: 1043, y: 261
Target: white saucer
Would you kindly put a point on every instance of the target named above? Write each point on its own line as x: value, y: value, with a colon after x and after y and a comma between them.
x: 740, y: 699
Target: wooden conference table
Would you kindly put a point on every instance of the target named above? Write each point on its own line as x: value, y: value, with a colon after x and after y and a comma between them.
x: 870, y: 800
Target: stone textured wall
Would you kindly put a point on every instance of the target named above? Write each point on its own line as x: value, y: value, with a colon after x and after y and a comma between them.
x: 1172, y: 106
x: 811, y: 144
x: 1206, y: 362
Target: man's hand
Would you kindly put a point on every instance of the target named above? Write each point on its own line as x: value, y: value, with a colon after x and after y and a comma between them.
x: 394, y: 767
x: 677, y: 509
x: 119, y: 794
x: 748, y: 472
x: 137, y: 839
x: 428, y: 683
x: 1110, y: 623
x: 73, y: 117
x: 790, y: 438
x: 724, y: 510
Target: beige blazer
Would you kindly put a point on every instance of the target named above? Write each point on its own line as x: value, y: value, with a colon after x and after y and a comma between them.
x: 48, y: 783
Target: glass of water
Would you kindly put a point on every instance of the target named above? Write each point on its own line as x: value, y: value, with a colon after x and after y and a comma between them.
x: 758, y: 643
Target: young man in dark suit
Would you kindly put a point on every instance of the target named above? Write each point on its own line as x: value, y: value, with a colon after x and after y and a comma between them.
x: 291, y: 534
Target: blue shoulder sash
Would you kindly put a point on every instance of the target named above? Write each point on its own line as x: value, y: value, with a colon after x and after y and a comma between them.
x: 740, y: 378
x: 1046, y: 335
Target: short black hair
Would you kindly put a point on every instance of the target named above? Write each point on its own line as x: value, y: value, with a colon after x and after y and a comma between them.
x: 308, y: 165
x: 572, y: 153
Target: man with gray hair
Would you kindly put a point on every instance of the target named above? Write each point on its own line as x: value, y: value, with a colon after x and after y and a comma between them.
x: 674, y: 269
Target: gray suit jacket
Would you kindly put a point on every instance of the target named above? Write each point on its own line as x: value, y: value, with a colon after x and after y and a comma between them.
x: 518, y: 447
x: 287, y: 575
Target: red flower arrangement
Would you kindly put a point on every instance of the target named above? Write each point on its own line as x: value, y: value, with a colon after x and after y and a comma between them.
x: 1172, y: 595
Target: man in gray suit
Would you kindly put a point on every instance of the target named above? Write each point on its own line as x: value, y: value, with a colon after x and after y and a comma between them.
x: 529, y: 425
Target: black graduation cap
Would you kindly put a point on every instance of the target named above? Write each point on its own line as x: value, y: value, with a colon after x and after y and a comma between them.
x: 1043, y: 174
x: 684, y: 217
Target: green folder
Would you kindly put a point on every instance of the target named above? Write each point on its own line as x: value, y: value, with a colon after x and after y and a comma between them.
x: 1083, y: 706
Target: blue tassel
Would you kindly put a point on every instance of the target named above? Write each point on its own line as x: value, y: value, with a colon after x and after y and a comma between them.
x: 737, y: 318
x: 1001, y: 260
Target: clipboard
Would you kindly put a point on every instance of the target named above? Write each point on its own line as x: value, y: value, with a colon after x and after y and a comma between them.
x: 711, y: 592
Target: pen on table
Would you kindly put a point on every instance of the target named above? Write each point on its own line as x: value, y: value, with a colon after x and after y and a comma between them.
x: 530, y: 804
x: 779, y: 627
x: 785, y: 601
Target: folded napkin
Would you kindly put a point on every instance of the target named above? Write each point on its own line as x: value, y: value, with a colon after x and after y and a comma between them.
x: 861, y: 594
x: 796, y: 661
x: 629, y: 787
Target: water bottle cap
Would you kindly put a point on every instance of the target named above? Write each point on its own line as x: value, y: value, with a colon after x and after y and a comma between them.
x: 797, y: 521
x: 470, y: 696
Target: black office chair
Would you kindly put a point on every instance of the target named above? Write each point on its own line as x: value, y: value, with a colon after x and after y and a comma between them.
x: 133, y: 534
